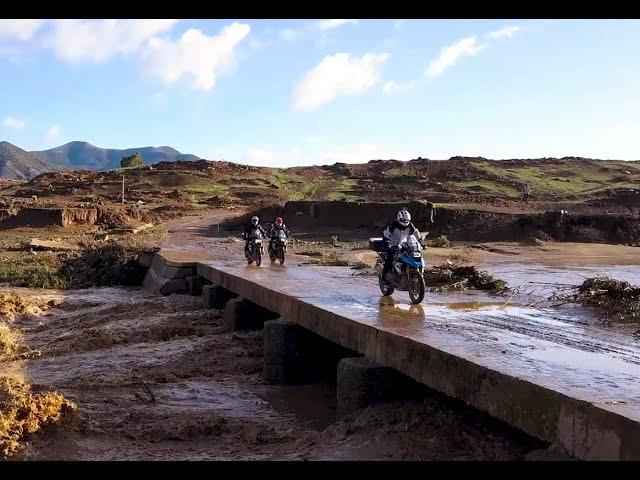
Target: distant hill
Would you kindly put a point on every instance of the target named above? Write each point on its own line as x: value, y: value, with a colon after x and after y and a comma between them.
x: 83, y: 155
x: 18, y: 164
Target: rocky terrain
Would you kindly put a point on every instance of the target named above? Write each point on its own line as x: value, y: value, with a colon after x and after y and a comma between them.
x: 17, y: 164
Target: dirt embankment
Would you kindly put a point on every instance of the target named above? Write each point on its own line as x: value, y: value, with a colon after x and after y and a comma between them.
x: 456, y: 224
x: 105, y: 216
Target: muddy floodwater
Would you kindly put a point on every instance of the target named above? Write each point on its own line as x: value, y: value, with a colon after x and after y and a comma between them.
x: 157, y: 378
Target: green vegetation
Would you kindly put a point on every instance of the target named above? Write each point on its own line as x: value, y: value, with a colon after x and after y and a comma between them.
x: 112, y: 263
x: 559, y: 179
x: 35, y: 272
x: 203, y: 191
x: 134, y: 160
x: 487, y: 186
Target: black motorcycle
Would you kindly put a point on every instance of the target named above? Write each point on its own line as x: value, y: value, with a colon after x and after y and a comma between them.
x: 255, y: 248
x: 278, y: 247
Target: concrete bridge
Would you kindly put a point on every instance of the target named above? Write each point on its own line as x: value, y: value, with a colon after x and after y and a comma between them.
x: 560, y: 381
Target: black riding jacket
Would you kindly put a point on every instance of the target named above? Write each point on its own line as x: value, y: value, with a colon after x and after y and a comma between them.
x: 250, y: 228
x: 273, y: 229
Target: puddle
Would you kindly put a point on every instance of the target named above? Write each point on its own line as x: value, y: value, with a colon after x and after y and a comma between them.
x: 312, y: 405
x: 474, y: 306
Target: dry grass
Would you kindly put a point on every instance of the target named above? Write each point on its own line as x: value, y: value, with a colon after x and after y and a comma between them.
x: 24, y: 411
x: 10, y: 343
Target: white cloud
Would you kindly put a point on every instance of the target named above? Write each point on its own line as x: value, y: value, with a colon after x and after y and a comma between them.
x: 507, y: 32
x: 256, y: 43
x: 288, y: 34
x: 53, y: 132
x: 159, y: 98
x: 98, y: 40
x: 360, y: 154
x: 337, y: 76
x: 315, y: 154
x: 333, y: 23
x: 194, y: 54
x: 13, y: 123
x: 391, y: 88
x: 19, y: 29
x: 273, y: 158
x: 450, y: 55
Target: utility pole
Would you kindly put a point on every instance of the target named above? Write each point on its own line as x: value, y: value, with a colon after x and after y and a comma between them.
x: 123, y: 188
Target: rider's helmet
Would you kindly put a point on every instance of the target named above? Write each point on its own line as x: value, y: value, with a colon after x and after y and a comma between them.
x: 404, y: 217
x: 279, y: 222
x: 254, y: 221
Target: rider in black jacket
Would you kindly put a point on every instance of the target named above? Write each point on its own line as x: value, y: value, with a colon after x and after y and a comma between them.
x: 275, y: 227
x: 248, y: 229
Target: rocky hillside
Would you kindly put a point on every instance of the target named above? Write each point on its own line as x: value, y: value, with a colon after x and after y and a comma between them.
x: 18, y: 164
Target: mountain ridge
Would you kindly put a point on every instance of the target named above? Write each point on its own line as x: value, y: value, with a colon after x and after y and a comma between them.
x: 84, y: 155
x: 18, y: 164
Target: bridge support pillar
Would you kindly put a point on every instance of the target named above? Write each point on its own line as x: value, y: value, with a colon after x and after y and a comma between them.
x: 284, y: 356
x: 216, y: 296
x: 241, y: 314
x: 295, y: 355
x: 195, y: 284
x: 361, y: 382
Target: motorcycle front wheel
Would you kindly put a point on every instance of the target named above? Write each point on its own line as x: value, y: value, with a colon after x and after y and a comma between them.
x: 385, y: 287
x: 258, y: 257
x: 281, y: 255
x: 416, y: 287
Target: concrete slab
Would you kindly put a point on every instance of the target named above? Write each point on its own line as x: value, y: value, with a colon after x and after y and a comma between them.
x: 550, y: 374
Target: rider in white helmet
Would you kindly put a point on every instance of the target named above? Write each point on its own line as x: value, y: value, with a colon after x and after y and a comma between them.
x: 248, y: 229
x: 396, y: 234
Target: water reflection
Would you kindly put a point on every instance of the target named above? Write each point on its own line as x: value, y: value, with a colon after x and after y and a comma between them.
x: 392, y: 313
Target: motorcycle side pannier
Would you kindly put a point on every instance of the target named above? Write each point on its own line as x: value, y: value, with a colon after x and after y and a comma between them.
x: 376, y: 244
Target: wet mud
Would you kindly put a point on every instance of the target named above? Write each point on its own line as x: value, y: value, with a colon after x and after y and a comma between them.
x: 158, y: 378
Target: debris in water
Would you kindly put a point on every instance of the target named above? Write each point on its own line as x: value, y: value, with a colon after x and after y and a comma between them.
x: 440, y: 242
x: 620, y: 299
x: 449, y: 277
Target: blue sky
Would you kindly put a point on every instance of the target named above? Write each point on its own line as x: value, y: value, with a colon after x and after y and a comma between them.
x: 302, y: 92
